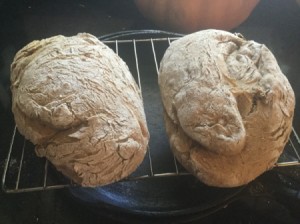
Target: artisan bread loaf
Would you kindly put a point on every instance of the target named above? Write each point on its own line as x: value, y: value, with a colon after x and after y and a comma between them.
x: 228, y: 108
x: 77, y: 101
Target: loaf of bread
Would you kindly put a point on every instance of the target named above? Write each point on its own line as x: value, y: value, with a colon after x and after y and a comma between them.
x: 76, y: 100
x: 228, y: 107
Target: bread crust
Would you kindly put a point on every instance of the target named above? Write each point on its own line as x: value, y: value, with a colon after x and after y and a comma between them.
x: 77, y: 101
x: 228, y: 107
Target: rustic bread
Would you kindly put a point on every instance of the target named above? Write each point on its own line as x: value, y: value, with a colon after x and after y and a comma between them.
x: 77, y: 101
x: 228, y: 107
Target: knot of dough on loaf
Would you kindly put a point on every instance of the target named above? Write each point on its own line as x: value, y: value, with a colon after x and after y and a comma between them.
x: 192, y: 76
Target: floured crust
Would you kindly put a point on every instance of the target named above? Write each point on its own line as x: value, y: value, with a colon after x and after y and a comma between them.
x: 76, y: 100
x: 228, y: 107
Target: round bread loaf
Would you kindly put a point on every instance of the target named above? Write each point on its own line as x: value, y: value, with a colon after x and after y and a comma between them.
x: 228, y: 107
x: 77, y: 101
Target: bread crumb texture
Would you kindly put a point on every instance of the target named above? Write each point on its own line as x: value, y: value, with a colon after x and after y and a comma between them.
x: 228, y: 107
x: 77, y: 101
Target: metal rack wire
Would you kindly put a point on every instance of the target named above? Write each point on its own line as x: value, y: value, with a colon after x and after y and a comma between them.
x: 25, y: 172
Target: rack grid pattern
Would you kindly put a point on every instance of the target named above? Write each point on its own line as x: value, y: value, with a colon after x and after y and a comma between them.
x: 21, y: 151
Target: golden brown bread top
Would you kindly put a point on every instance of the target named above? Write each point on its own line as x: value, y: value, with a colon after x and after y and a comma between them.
x: 77, y: 101
x: 229, y: 99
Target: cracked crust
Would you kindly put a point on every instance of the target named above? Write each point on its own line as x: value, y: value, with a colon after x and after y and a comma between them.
x: 76, y: 100
x: 228, y: 107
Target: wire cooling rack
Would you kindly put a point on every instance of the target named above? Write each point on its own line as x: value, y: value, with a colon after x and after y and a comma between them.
x: 25, y: 172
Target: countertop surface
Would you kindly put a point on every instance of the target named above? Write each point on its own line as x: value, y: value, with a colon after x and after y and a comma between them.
x: 275, y: 23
